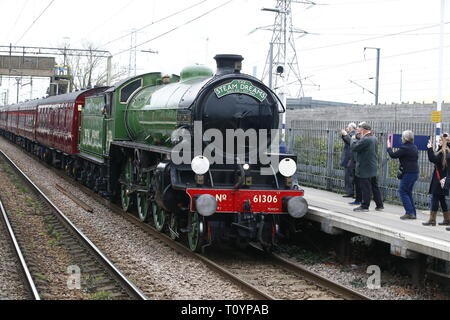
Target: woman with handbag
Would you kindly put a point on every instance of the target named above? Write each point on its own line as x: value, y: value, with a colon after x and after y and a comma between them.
x: 408, y: 156
x: 437, y: 190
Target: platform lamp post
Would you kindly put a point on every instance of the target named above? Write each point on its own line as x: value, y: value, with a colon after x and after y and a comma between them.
x: 18, y: 79
x: 377, y: 84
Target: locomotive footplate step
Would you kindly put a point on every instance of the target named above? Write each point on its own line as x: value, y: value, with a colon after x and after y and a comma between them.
x: 408, y: 237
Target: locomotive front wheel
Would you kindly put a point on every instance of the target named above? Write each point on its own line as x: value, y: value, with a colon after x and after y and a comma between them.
x: 159, y: 217
x: 142, y: 206
x: 195, y: 235
x: 126, y: 178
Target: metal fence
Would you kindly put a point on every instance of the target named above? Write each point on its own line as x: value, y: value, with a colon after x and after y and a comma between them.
x: 318, y: 145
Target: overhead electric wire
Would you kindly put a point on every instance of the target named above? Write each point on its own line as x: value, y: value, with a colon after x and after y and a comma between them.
x: 375, y: 34
x: 322, y: 68
x: 18, y: 17
x: 334, y: 28
x: 175, y: 28
x: 363, y: 2
x: 372, y: 38
x: 155, y: 22
x: 35, y: 20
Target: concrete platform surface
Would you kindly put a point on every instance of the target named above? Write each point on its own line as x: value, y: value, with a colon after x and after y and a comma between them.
x: 407, y: 237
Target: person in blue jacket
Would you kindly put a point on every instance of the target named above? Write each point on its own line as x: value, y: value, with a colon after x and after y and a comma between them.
x: 408, y: 155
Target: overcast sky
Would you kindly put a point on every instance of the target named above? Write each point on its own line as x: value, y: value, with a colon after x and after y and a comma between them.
x: 330, y: 55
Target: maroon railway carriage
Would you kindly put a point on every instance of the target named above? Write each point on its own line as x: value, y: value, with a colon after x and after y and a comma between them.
x: 3, y: 118
x: 25, y: 120
x: 47, y: 127
x: 58, y: 121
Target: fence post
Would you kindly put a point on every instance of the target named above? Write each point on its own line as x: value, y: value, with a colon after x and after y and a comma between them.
x: 290, y: 148
x: 330, y: 153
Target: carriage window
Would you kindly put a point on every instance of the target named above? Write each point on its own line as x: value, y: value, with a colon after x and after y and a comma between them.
x: 126, y: 92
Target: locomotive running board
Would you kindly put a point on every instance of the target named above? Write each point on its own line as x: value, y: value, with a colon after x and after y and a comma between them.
x: 141, y: 146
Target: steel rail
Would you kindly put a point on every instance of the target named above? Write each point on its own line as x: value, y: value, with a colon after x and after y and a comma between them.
x: 343, y: 291
x: 180, y: 248
x: 130, y: 287
x: 337, y: 288
x: 29, y: 280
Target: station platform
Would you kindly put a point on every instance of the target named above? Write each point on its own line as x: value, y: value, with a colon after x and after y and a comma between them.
x: 407, y: 238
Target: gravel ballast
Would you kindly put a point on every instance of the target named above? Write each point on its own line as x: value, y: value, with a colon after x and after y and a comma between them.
x: 159, y: 271
x: 11, y: 283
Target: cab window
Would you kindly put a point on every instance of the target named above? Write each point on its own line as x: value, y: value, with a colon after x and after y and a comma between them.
x: 127, y: 91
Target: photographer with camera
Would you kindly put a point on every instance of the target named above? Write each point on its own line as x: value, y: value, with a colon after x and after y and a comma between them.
x: 437, y: 185
x: 408, y: 155
x: 365, y: 150
x: 347, y: 160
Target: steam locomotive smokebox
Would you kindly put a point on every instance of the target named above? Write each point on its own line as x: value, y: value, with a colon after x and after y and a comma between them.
x: 228, y: 63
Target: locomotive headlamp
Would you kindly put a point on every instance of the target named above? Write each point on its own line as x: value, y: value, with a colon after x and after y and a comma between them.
x: 206, y: 205
x: 287, y: 167
x: 200, y: 165
x: 246, y: 167
x: 297, y: 207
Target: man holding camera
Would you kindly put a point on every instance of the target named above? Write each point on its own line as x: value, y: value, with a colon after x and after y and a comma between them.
x: 347, y: 160
x: 364, y: 146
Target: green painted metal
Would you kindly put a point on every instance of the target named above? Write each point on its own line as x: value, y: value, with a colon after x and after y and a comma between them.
x: 99, y: 127
x: 159, y: 217
x: 194, y: 236
x: 120, y: 105
x: 93, y: 128
x: 142, y: 109
x: 196, y: 71
x: 127, y: 175
x: 151, y: 116
x: 142, y: 206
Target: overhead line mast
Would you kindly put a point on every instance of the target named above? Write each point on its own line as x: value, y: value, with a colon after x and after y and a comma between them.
x: 282, y: 61
x: 283, y: 52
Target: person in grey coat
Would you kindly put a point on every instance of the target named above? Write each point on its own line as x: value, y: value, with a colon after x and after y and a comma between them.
x: 347, y: 160
x: 366, y: 167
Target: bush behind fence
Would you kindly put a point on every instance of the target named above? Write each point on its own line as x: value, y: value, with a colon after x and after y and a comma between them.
x: 318, y: 145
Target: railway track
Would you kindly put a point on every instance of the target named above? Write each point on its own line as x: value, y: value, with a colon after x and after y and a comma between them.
x: 302, y: 279
x: 102, y: 277
x: 299, y: 276
x: 26, y: 275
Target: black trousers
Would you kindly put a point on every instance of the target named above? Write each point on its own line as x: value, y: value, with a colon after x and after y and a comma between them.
x: 369, y: 186
x: 358, y: 193
x: 349, y: 181
x: 435, y: 200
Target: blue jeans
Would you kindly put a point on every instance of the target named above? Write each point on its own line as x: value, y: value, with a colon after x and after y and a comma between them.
x: 405, y: 190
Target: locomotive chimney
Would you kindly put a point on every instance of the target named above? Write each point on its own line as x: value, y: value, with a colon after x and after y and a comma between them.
x: 228, y: 63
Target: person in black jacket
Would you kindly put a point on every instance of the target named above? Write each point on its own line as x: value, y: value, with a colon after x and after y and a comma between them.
x: 408, y: 155
x: 365, y: 151
x: 437, y: 190
x: 347, y: 160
